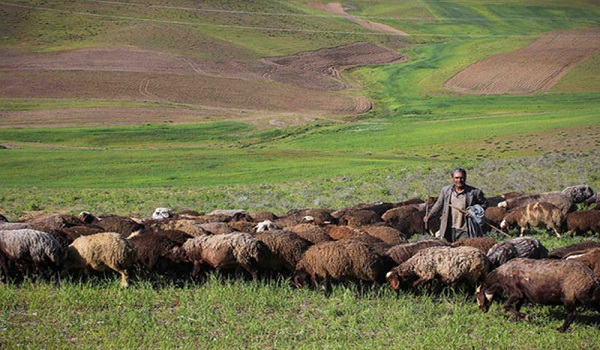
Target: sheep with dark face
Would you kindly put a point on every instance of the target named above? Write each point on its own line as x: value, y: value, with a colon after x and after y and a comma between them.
x: 340, y: 261
x: 452, y: 266
x: 521, y: 247
x: 34, y: 250
x: 237, y: 250
x: 102, y: 252
x: 583, y: 221
x: 540, y: 214
x: 548, y: 282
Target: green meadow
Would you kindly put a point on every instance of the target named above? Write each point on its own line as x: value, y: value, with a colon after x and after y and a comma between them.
x: 403, y: 148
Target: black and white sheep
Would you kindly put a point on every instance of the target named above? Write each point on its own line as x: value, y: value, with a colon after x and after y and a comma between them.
x: 583, y: 221
x: 237, y: 250
x: 545, y: 281
x: 33, y: 250
x: 346, y: 260
x: 520, y: 247
x: 452, y: 266
x: 102, y: 252
x: 539, y: 214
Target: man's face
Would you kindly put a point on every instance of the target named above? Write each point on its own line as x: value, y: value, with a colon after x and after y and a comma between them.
x: 459, y: 179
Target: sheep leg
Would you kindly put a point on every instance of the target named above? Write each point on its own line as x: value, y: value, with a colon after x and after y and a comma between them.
x: 571, y: 314
x: 512, y: 306
x: 124, y: 278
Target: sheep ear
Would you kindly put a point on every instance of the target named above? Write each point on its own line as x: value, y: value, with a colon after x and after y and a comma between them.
x: 489, y: 296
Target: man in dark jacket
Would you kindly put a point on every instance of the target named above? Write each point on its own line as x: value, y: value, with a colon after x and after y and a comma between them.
x: 453, y: 201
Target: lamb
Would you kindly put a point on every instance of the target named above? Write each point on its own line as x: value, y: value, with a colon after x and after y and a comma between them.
x: 28, y: 247
x: 286, y: 249
x: 561, y: 252
x: 228, y: 251
x: 549, y: 282
x: 344, y: 260
x: 538, y: 214
x: 583, y: 221
x: 591, y: 258
x: 402, y: 252
x: 453, y: 266
x: 101, y: 252
x: 482, y: 243
x: 521, y: 247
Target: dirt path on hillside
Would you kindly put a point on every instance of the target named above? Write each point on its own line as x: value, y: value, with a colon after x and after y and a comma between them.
x: 336, y: 8
x: 534, y: 68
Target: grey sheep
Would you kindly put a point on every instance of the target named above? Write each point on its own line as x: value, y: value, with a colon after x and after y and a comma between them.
x: 286, y: 249
x: 583, y: 221
x: 31, y: 248
x: 346, y: 260
x: 102, y: 252
x: 549, y: 282
x: 237, y: 250
x: 578, y: 193
x: 521, y: 247
x: 452, y: 266
x: 402, y: 252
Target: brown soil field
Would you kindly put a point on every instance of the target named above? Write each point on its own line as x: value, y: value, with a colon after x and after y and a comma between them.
x: 534, y: 68
x: 337, y: 9
x: 309, y: 83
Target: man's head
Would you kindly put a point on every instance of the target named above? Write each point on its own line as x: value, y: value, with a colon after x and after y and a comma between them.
x: 459, y: 177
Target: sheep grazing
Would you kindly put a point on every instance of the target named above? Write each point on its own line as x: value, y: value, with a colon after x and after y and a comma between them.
x: 521, y: 247
x: 452, y: 266
x: 549, y: 282
x: 102, y: 252
x: 591, y: 258
x: 30, y: 249
x: 340, y: 261
x: 237, y: 250
x: 561, y: 201
x: 482, y: 243
x: 538, y: 214
x: 402, y: 252
x: 561, y: 252
x: 286, y: 249
x: 161, y: 253
x: 583, y: 221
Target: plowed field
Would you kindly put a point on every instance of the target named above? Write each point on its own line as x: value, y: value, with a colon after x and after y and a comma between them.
x: 534, y: 68
x: 309, y: 83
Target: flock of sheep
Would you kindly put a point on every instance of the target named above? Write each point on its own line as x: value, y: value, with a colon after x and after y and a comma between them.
x: 378, y: 243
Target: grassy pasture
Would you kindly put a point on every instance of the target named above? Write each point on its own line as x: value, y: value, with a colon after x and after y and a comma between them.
x: 403, y: 148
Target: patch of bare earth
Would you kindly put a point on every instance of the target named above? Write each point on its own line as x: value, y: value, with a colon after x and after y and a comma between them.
x: 298, y: 88
x: 337, y: 9
x: 534, y: 68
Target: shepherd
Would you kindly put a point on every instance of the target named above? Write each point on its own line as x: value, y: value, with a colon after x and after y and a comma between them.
x: 463, y: 209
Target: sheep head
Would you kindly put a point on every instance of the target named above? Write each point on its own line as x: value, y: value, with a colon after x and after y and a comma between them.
x: 484, y: 299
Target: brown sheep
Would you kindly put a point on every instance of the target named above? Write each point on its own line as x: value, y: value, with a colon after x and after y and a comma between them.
x: 558, y: 199
x: 549, y: 282
x: 387, y: 234
x: 482, y: 243
x: 561, y: 252
x: 408, y: 219
x: 358, y: 217
x: 338, y: 232
x: 161, y: 253
x: 311, y: 232
x: 123, y: 225
x: 540, y: 214
x: 583, y: 221
x: 286, y: 249
x: 343, y: 260
x: 591, y: 258
x: 453, y: 266
x: 402, y: 252
x: 495, y: 215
